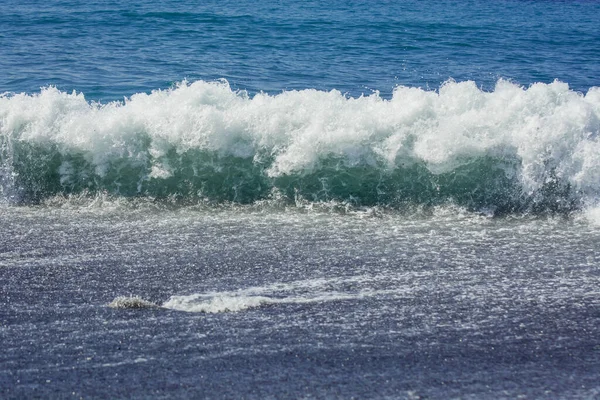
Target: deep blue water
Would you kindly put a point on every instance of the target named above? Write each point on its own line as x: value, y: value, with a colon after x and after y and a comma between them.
x: 111, y: 49
x: 311, y: 199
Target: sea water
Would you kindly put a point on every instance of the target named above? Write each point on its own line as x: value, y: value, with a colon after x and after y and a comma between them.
x: 278, y: 199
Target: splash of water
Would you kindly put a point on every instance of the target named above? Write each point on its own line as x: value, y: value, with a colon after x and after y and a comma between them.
x: 513, y: 149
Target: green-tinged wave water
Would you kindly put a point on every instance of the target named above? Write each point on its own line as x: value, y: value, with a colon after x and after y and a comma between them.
x: 198, y: 175
x: 511, y: 150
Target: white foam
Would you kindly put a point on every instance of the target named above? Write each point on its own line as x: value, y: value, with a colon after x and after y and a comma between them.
x: 297, y: 292
x: 592, y: 216
x: 215, y: 304
x: 227, y: 302
x: 546, y: 127
x: 131, y: 302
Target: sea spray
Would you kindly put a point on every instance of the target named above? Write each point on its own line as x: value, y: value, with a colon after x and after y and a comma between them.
x: 513, y: 149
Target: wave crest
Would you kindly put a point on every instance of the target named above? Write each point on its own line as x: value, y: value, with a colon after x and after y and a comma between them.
x: 513, y: 149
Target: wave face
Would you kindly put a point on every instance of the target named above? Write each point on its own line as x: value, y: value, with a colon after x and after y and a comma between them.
x: 513, y: 149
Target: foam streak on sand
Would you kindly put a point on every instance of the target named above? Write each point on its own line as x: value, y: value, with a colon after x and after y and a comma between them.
x: 231, y: 302
x: 298, y: 292
x: 511, y: 149
x: 312, y: 291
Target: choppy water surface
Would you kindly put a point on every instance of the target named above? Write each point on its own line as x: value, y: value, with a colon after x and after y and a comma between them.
x: 274, y: 199
x: 297, y: 303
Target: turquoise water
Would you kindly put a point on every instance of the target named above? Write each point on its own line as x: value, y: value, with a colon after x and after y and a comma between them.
x: 274, y: 199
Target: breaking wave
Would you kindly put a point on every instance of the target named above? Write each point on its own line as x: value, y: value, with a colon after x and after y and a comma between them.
x: 514, y: 149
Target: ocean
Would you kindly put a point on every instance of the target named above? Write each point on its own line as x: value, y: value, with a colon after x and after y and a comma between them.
x: 275, y: 199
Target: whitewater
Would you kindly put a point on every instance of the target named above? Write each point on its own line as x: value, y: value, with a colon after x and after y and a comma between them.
x: 321, y: 200
x: 513, y: 149
x: 107, y: 298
